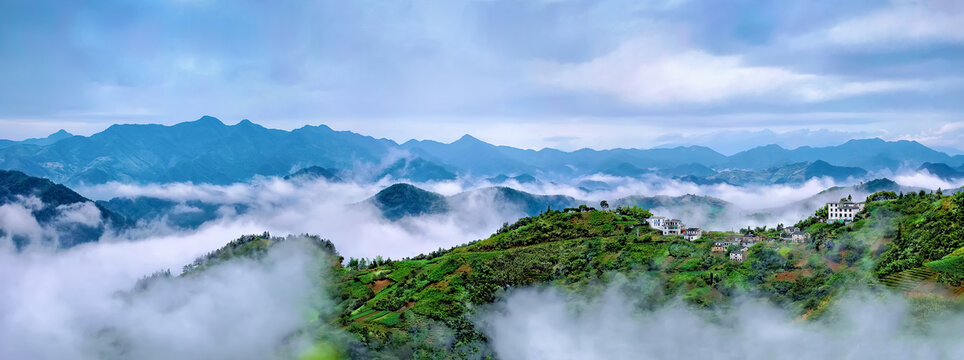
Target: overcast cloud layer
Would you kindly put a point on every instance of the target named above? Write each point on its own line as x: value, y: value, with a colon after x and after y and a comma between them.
x: 612, y: 73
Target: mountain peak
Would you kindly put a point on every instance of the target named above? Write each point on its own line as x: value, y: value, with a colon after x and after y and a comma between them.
x: 875, y: 140
x: 247, y: 124
x: 60, y: 134
x: 468, y: 139
x: 207, y: 120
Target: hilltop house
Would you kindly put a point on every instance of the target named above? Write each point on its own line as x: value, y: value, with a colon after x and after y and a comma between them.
x: 738, y: 255
x: 674, y: 227
x: 844, y: 210
x: 720, y: 246
x: 799, y: 236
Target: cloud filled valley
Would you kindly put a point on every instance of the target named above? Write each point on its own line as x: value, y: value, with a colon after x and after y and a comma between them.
x: 74, y: 298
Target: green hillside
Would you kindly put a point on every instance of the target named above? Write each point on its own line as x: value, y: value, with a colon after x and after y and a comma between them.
x: 390, y: 305
x: 425, y: 307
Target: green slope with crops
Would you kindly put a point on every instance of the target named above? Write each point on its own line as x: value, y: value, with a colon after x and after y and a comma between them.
x: 427, y: 306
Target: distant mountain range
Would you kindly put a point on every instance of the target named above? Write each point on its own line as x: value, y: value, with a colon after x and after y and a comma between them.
x: 792, y: 173
x: 208, y: 151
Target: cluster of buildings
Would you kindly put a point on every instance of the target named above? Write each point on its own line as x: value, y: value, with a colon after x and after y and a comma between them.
x: 744, y: 242
x: 843, y: 210
x: 674, y: 227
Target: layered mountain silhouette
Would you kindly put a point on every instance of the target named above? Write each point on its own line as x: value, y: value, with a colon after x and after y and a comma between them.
x: 792, y: 173
x: 209, y: 151
x: 399, y: 201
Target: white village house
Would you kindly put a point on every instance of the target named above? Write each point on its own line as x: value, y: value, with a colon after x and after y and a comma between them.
x: 674, y: 227
x: 844, y: 210
x: 692, y: 233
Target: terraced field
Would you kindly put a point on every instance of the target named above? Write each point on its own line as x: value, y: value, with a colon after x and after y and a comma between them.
x: 908, y: 280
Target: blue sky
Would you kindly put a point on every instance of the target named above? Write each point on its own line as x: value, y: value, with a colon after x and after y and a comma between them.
x: 559, y: 73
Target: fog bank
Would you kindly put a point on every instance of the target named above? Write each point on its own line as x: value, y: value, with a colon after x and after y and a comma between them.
x: 554, y: 324
x: 78, y: 303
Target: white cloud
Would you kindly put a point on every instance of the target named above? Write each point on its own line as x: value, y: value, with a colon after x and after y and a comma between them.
x: 926, y: 180
x: 71, y: 304
x: 85, y: 213
x: 903, y: 23
x: 17, y: 219
x: 651, y: 72
x: 552, y: 324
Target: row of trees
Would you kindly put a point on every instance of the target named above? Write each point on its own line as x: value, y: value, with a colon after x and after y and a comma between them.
x: 364, y: 263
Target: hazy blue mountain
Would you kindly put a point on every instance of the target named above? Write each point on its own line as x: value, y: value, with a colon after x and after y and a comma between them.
x: 417, y: 169
x: 202, y: 151
x: 792, y: 173
x: 691, y: 169
x: 55, y: 137
x: 942, y: 171
x: 471, y: 155
x: 402, y: 200
x: 521, y: 179
x: 870, y: 154
x: 624, y: 169
x: 315, y: 172
x: 59, y: 209
x: 593, y: 185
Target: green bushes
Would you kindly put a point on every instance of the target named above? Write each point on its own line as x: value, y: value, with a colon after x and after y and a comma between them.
x: 929, y: 227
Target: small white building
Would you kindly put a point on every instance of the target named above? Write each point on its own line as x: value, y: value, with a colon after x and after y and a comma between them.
x: 738, y: 255
x: 799, y: 236
x: 656, y: 222
x: 844, y: 210
x: 692, y: 233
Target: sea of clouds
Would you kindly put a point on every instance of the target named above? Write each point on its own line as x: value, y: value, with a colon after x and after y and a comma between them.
x: 69, y: 303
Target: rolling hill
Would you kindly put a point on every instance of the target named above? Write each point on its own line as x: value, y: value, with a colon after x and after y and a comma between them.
x: 429, y: 304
